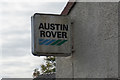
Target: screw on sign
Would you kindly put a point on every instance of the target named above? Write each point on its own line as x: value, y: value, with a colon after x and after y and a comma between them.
x: 51, y: 35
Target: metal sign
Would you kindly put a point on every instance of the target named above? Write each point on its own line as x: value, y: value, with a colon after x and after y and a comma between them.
x: 51, y: 35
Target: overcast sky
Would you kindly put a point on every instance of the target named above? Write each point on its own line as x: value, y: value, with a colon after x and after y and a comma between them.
x: 16, y: 59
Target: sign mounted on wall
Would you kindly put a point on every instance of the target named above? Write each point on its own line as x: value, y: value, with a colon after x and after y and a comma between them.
x: 51, y: 35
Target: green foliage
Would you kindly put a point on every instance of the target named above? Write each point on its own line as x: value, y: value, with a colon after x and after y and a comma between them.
x: 49, y: 66
x: 36, y: 73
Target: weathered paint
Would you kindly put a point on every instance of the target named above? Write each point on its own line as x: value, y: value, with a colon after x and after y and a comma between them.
x: 95, y: 37
x: 51, y: 35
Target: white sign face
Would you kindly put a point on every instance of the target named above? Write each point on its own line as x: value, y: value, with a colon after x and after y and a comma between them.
x: 51, y: 35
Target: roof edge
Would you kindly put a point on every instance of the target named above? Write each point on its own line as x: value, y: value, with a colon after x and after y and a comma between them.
x: 68, y: 7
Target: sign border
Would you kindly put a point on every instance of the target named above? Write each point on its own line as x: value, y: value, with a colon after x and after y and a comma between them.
x: 33, y: 37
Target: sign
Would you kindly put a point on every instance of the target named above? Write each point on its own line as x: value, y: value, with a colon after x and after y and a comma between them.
x: 51, y: 35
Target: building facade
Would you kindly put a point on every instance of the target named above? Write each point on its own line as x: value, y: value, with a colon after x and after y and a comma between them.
x: 95, y: 40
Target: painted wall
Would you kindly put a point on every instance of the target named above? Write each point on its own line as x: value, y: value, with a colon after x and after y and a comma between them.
x: 95, y: 40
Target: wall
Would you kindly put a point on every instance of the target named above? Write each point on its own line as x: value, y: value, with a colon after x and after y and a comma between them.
x: 95, y: 40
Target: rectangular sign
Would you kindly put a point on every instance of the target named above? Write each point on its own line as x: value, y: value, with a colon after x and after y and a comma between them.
x: 51, y: 35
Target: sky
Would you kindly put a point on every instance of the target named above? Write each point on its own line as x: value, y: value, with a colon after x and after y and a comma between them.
x: 16, y: 59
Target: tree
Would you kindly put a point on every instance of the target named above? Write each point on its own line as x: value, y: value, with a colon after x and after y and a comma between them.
x: 47, y: 68
x: 50, y: 65
x: 36, y: 73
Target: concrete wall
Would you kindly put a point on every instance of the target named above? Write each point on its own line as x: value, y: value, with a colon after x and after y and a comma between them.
x: 95, y: 40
